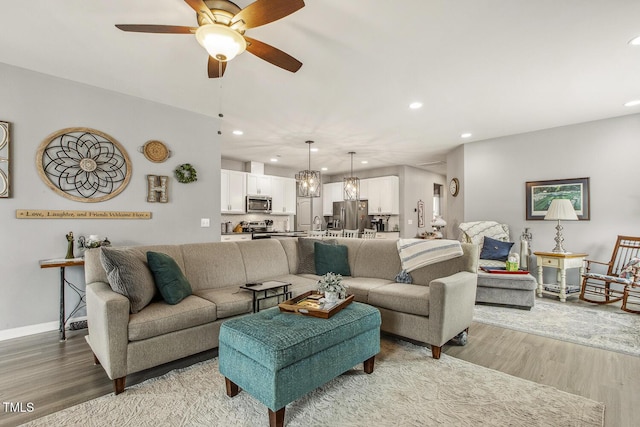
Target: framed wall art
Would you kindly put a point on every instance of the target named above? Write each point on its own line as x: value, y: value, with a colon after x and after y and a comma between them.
x: 5, y: 161
x: 541, y: 193
x: 83, y: 164
x: 420, y: 214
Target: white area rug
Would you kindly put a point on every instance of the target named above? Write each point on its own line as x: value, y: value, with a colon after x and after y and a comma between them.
x: 602, y: 326
x: 407, y: 388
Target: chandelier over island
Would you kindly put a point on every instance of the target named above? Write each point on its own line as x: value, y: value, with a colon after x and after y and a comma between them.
x: 309, y: 181
x: 351, y: 184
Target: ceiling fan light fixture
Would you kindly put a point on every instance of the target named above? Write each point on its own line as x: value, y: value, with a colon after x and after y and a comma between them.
x: 220, y: 41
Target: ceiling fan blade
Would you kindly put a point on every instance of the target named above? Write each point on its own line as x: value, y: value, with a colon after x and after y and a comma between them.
x: 158, y: 29
x: 215, y: 68
x: 201, y: 8
x: 262, y: 12
x: 273, y: 55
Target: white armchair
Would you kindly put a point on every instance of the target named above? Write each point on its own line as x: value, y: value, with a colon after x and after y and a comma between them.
x: 475, y: 232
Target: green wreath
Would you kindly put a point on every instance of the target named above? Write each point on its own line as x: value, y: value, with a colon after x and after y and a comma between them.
x: 186, y: 173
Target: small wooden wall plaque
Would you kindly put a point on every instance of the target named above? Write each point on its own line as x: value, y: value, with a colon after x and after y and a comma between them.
x: 68, y: 214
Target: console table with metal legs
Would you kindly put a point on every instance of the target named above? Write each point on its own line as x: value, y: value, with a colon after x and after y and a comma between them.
x: 62, y: 264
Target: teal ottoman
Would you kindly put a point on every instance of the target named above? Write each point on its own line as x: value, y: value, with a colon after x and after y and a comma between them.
x: 278, y: 357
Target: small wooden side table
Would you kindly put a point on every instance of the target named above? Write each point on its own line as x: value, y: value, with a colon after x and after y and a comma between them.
x: 561, y: 262
x: 63, y: 263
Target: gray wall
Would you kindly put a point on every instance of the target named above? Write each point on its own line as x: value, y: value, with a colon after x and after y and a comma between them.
x: 38, y: 105
x: 606, y: 151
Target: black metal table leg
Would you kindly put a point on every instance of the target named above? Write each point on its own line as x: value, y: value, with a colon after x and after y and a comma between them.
x: 63, y: 336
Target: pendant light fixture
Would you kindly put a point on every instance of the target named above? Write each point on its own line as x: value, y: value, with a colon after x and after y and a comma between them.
x: 351, y: 185
x: 309, y: 181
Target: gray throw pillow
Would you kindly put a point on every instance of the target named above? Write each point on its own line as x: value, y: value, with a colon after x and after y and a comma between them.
x: 129, y: 275
x: 306, y: 254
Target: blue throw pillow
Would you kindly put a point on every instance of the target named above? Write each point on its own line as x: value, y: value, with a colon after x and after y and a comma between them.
x: 495, y: 249
x: 170, y: 281
x: 331, y: 259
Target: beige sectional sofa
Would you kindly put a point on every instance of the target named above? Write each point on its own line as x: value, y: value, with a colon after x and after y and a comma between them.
x: 434, y: 309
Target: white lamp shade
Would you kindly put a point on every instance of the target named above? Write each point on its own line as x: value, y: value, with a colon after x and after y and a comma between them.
x: 561, y: 209
x: 438, y: 222
x: 220, y: 41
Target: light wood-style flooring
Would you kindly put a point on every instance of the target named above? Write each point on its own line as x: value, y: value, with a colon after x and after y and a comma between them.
x: 53, y: 375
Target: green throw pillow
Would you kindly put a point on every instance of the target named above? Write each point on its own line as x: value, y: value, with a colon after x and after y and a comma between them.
x: 170, y: 281
x: 331, y: 259
x: 306, y: 254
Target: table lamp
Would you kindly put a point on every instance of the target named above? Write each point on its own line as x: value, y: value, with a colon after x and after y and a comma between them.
x: 560, y: 209
x: 438, y: 224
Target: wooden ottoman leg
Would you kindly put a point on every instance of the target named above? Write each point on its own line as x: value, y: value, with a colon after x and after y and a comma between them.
x: 368, y: 364
x: 232, y: 388
x: 276, y: 419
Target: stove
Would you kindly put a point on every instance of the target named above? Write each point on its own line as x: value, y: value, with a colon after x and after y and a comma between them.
x: 257, y: 226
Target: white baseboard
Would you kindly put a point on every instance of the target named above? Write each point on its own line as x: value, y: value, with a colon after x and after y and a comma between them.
x: 24, y: 331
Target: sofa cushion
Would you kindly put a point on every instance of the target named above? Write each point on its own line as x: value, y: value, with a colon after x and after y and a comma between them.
x: 128, y: 275
x: 160, y: 318
x: 211, y: 265
x: 375, y: 258
x: 306, y: 254
x: 402, y: 297
x: 229, y: 301
x: 299, y: 284
x: 263, y: 259
x: 360, y: 287
x: 331, y: 259
x: 495, y: 249
x: 169, y: 279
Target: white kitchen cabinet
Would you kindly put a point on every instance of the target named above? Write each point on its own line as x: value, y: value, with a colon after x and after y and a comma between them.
x: 331, y: 192
x: 364, y: 189
x: 383, y: 194
x: 283, y: 196
x: 235, y: 237
x: 258, y: 185
x: 232, y: 191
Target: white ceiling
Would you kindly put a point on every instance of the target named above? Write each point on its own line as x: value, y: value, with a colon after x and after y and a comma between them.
x: 489, y: 67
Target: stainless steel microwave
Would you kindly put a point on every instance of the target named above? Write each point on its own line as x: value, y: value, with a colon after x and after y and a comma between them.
x: 258, y: 204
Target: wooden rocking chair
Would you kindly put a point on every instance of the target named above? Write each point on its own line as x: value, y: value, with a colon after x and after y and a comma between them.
x: 597, y: 288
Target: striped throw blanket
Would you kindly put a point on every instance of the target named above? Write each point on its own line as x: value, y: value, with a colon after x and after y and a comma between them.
x: 416, y: 253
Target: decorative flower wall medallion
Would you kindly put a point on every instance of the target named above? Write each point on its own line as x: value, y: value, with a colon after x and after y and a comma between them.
x: 83, y: 164
x: 4, y: 160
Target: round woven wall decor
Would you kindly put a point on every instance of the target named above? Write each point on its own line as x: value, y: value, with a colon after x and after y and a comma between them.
x: 83, y: 164
x: 155, y: 151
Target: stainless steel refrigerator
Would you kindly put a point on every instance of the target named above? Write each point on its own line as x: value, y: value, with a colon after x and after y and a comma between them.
x: 352, y: 214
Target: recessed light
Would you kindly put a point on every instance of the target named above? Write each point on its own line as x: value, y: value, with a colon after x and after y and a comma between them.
x: 415, y: 105
x: 315, y: 150
x: 324, y: 169
x: 635, y: 41
x: 633, y: 103
x: 465, y: 135
x: 274, y: 159
x: 238, y: 132
x: 364, y: 162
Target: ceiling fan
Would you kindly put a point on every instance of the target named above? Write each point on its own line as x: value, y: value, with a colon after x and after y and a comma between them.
x: 221, y: 28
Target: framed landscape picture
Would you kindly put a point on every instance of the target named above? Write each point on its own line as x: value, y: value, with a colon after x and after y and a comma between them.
x: 541, y: 193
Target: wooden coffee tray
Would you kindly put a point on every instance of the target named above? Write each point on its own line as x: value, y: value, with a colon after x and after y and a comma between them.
x: 306, y: 306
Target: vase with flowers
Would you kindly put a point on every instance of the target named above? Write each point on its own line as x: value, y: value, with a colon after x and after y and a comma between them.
x: 332, y: 286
